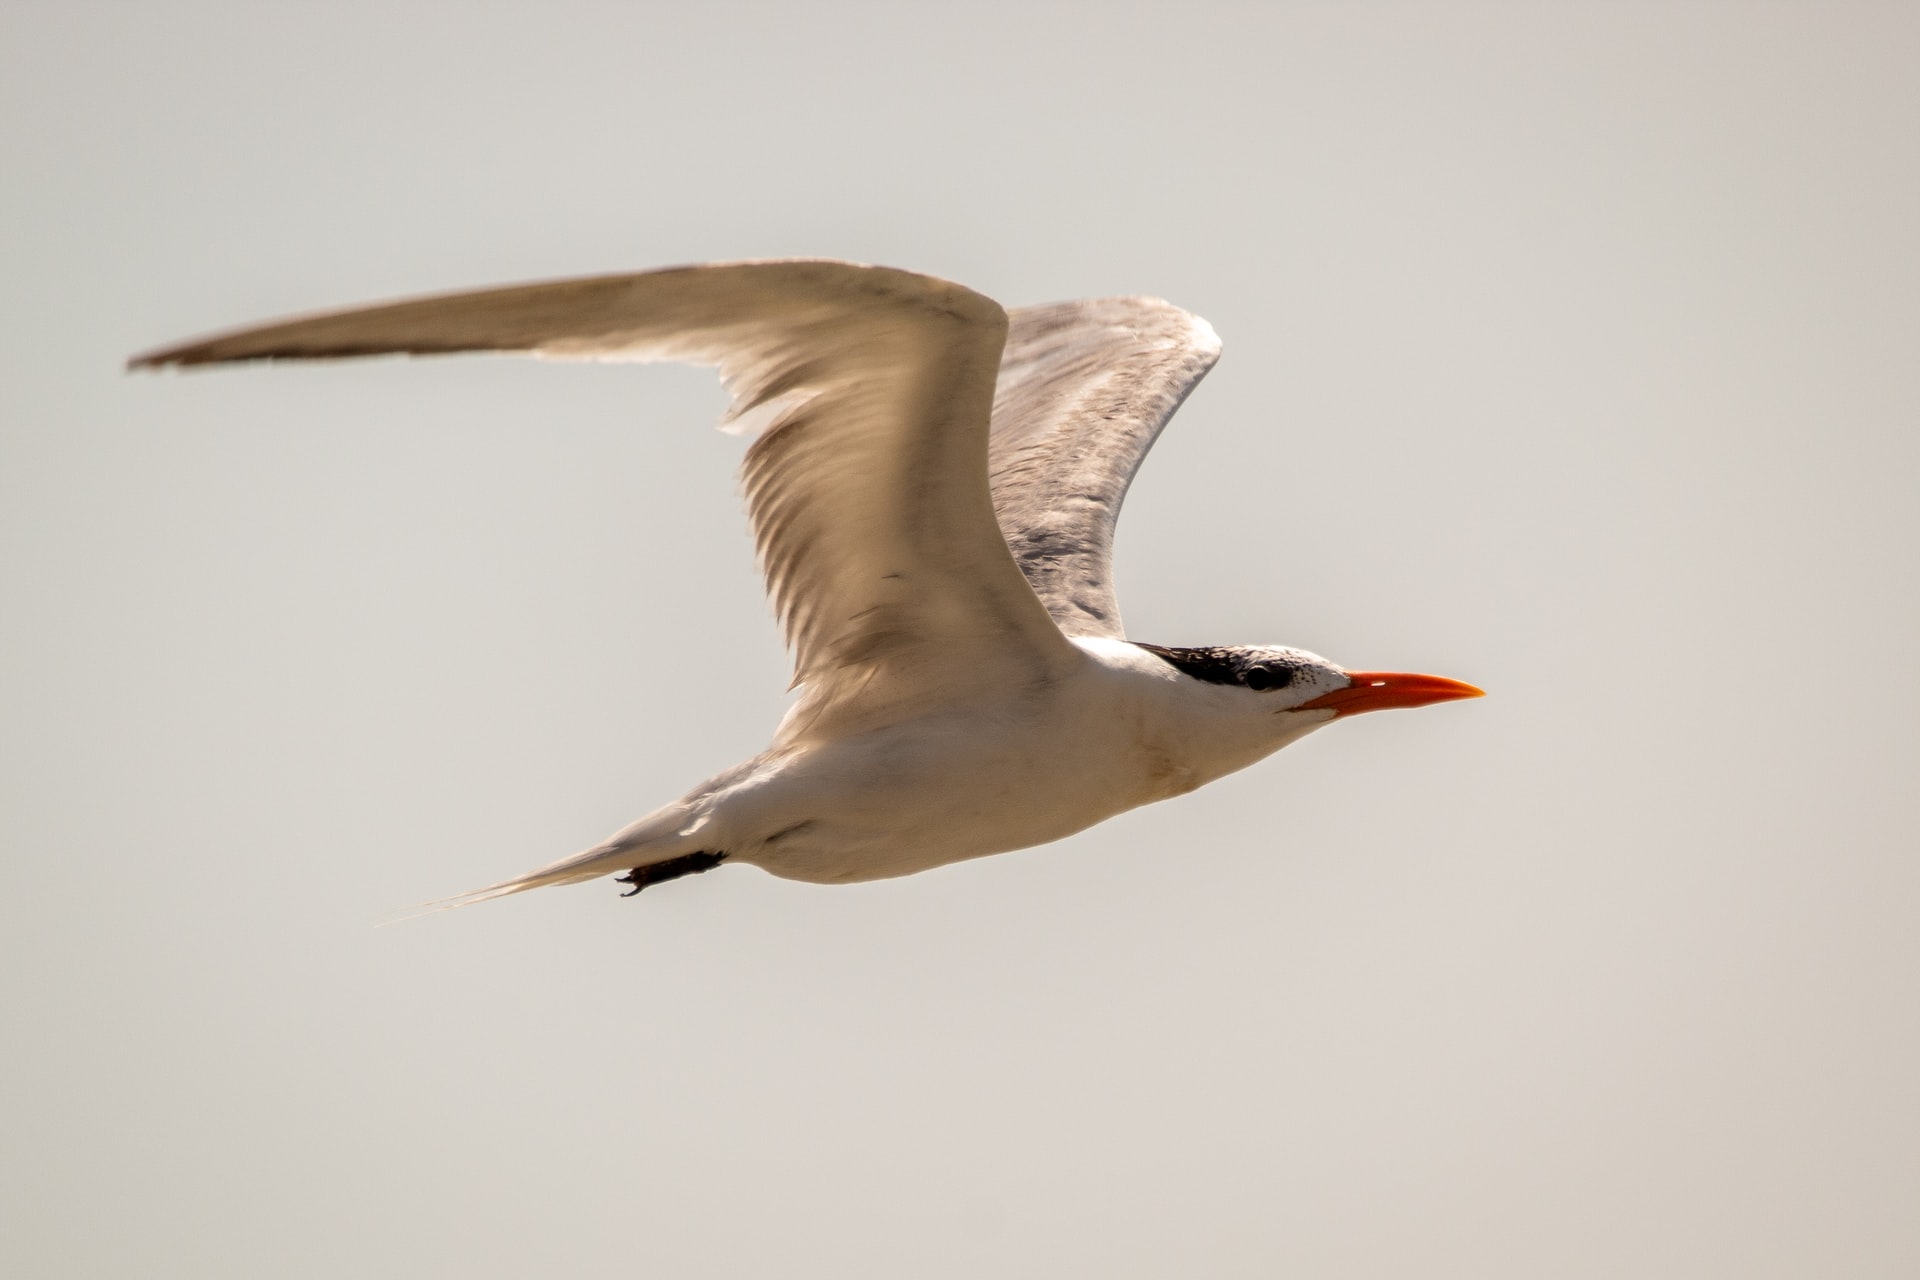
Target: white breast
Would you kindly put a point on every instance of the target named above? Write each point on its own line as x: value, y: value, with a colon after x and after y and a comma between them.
x: 1121, y: 730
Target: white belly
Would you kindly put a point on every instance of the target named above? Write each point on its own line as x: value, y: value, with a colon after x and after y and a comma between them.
x: 962, y: 785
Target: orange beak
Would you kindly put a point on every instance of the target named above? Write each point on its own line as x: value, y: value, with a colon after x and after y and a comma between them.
x: 1384, y: 690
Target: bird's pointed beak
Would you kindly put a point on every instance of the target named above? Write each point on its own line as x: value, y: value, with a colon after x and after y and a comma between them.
x: 1385, y: 690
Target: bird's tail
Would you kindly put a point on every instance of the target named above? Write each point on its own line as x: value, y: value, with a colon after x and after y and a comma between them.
x: 665, y: 833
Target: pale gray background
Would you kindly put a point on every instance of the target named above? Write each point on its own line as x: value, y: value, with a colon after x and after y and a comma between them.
x: 1571, y: 349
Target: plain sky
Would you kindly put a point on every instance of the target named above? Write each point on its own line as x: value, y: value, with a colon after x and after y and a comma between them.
x: 1571, y: 349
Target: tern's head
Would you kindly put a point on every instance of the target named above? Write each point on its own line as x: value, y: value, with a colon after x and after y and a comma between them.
x: 1277, y: 680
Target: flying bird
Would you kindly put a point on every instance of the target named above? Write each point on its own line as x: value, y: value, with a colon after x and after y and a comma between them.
x: 933, y: 483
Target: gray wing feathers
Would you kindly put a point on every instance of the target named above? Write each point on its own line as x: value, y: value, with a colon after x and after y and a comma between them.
x: 1084, y: 390
x: 869, y: 391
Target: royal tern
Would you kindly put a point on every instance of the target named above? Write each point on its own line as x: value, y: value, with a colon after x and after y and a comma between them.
x: 933, y: 485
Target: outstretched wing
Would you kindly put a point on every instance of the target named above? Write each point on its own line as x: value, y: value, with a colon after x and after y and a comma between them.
x: 870, y: 390
x: 1085, y: 388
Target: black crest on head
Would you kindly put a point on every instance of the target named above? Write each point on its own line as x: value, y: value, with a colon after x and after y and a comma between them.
x: 1220, y: 665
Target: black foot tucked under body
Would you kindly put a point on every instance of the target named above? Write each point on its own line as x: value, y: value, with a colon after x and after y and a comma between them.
x: 672, y: 869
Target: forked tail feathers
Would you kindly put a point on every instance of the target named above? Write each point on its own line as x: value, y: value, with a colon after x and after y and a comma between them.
x: 664, y: 834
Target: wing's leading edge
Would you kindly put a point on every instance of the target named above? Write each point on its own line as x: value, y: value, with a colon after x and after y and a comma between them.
x: 870, y: 390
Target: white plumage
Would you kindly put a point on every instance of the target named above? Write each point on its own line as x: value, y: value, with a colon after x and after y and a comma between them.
x: 933, y: 486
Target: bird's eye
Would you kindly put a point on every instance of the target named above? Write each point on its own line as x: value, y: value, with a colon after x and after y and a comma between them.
x: 1260, y: 679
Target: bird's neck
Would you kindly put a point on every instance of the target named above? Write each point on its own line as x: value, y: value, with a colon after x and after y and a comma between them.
x: 1196, y: 731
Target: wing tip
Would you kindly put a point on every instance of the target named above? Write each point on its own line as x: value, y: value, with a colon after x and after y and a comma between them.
x: 404, y: 326
x: 169, y: 358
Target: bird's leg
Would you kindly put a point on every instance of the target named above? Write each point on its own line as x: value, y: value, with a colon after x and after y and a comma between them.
x: 672, y: 869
